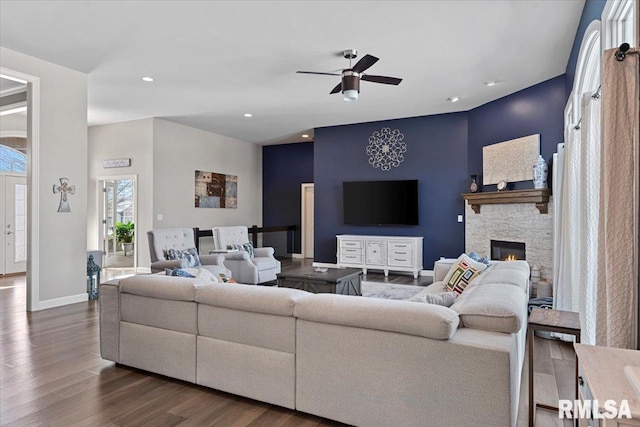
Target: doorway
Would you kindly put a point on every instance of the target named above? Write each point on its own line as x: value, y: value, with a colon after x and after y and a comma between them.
x: 307, y: 220
x: 117, y: 219
x: 13, y: 176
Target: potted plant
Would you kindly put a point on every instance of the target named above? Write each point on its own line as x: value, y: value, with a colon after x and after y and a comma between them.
x: 124, y: 234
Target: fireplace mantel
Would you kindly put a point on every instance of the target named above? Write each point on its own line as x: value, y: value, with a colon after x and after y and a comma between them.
x: 538, y: 196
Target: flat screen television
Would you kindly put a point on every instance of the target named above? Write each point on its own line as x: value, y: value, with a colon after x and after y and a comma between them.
x: 380, y: 202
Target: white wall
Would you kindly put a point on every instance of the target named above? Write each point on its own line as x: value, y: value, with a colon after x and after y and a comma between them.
x: 181, y: 150
x: 132, y: 140
x: 58, y: 241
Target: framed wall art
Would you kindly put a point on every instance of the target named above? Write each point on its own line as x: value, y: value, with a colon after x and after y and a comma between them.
x: 216, y: 190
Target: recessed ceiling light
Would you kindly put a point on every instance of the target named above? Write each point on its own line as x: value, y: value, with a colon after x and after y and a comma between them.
x: 304, y: 135
x: 147, y: 79
x: 453, y: 99
x: 248, y: 115
x: 490, y: 83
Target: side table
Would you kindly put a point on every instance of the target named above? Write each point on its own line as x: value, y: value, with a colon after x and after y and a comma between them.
x: 564, y: 322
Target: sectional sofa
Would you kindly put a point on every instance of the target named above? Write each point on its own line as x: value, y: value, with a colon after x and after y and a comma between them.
x: 358, y: 360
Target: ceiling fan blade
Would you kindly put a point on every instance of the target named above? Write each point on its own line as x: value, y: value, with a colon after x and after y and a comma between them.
x: 317, y: 72
x: 336, y: 89
x: 366, y: 62
x: 381, y: 79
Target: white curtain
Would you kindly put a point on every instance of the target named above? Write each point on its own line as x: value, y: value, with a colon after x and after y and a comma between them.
x: 566, y: 235
x: 590, y: 208
x: 576, y: 220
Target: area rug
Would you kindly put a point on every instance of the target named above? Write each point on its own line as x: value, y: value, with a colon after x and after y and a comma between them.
x: 390, y: 290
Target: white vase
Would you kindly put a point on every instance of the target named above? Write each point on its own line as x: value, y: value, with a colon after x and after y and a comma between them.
x: 540, y: 171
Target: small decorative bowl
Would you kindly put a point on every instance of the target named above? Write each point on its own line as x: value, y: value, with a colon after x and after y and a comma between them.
x: 320, y: 269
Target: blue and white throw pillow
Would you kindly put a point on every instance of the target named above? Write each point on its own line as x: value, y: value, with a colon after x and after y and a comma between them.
x: 247, y: 247
x: 189, y: 255
x: 474, y: 256
x: 177, y: 272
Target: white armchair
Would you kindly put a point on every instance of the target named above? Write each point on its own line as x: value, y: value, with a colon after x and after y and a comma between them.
x: 162, y: 239
x: 261, y: 268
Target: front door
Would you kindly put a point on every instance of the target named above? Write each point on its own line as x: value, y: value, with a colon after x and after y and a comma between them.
x: 15, y: 224
x: 109, y: 243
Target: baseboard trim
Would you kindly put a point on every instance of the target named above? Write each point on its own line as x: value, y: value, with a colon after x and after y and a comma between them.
x: 57, y: 302
x: 143, y: 270
x: 297, y: 256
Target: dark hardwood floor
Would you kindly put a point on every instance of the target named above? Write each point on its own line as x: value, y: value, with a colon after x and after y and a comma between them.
x: 51, y: 373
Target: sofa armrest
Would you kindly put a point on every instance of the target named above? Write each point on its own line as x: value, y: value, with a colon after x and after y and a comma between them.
x: 264, y: 252
x: 214, y: 259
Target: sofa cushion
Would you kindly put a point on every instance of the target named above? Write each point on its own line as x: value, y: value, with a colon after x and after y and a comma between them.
x: 258, y: 299
x: 492, y: 307
x: 462, y: 273
x: 426, y: 320
x: 508, y: 272
x: 161, y: 286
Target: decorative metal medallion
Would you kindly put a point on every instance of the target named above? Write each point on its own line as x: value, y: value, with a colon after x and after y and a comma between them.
x: 386, y: 149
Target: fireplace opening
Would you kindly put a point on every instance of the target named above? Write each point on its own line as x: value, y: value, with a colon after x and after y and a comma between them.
x: 507, y: 251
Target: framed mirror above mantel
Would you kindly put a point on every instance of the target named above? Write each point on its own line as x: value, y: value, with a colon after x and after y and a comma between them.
x: 538, y: 196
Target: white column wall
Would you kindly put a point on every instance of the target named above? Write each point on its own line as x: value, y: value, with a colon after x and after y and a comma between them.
x: 57, y: 249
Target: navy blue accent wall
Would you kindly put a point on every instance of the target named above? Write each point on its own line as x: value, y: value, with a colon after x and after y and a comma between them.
x: 537, y: 109
x: 284, y: 168
x: 436, y: 156
x: 592, y: 10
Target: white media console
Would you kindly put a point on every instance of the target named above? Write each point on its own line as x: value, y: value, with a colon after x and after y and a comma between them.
x: 387, y: 253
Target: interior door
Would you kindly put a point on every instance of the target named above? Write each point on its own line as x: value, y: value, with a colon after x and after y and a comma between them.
x: 109, y: 243
x: 15, y: 224
x: 308, y: 222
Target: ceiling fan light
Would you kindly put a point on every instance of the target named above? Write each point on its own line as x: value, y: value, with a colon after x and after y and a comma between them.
x: 350, y: 95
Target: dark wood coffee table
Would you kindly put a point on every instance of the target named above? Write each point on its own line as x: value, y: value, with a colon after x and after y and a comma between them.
x: 344, y: 281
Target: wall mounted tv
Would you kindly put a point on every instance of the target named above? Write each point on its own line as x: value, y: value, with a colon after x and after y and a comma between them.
x: 380, y: 202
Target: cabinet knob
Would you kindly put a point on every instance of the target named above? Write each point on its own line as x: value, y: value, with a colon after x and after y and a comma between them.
x: 580, y: 380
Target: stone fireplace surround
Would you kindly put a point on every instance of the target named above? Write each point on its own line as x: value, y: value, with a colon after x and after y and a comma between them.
x: 517, y: 222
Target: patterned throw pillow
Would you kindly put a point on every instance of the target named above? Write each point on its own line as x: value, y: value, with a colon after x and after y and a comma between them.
x: 462, y: 273
x: 247, y: 247
x: 177, y: 272
x: 189, y: 255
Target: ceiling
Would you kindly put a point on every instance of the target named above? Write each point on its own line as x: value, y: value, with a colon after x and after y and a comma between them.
x: 213, y: 61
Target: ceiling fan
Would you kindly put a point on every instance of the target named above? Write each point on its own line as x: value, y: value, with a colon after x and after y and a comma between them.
x: 350, y: 84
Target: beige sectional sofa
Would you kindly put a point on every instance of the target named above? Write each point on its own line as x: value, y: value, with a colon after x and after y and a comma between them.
x: 361, y: 361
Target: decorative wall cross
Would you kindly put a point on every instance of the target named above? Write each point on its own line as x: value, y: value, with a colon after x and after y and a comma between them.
x: 64, y: 188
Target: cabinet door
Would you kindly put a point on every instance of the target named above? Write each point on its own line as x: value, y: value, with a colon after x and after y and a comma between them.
x: 374, y: 253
